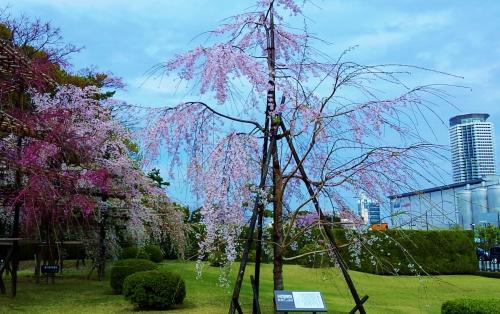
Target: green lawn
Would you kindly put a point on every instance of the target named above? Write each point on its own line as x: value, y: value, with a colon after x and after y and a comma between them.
x: 74, y: 294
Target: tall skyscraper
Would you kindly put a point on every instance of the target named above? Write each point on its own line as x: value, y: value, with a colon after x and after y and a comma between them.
x: 472, y: 146
x: 369, y: 210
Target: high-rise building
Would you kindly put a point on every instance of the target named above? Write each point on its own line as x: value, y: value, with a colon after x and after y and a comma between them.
x: 369, y: 210
x: 472, y: 147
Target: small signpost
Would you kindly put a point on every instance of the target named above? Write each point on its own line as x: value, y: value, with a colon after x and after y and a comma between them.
x: 50, y: 269
x: 299, y: 301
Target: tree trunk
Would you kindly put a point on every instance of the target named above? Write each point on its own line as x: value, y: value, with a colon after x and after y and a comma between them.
x: 278, y: 223
x: 16, y: 227
x: 101, y: 266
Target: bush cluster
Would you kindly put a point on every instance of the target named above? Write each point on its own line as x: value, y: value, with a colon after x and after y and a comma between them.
x: 130, y: 252
x: 154, y: 252
x: 123, y: 268
x: 471, y: 306
x: 402, y: 252
x: 405, y: 251
x: 155, y: 289
x: 313, y: 260
x: 488, y: 274
x: 150, y: 252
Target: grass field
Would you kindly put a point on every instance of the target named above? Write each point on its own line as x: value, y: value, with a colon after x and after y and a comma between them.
x: 74, y: 294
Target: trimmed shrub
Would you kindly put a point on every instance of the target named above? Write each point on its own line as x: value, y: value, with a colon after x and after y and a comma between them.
x: 129, y: 252
x: 313, y: 260
x: 155, y: 253
x: 123, y: 268
x: 402, y: 251
x: 154, y: 289
x: 134, y: 252
x: 471, y: 306
x: 488, y: 274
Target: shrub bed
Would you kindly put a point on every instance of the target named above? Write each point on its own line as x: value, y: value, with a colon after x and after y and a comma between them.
x: 313, y: 260
x: 134, y: 252
x: 471, y: 306
x: 123, y: 268
x: 150, y: 252
x: 405, y: 251
x: 154, y: 252
x: 401, y: 252
x: 154, y: 289
x: 488, y: 274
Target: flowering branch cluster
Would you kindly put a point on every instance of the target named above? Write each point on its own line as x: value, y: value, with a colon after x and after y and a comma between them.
x: 81, y: 157
x: 336, y: 113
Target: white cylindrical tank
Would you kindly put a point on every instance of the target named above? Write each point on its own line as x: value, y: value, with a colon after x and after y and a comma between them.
x: 464, y: 206
x: 479, y: 200
x: 494, y: 198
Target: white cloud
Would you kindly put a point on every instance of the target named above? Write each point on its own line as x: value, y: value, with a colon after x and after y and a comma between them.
x: 158, y: 84
x: 422, y: 21
x: 398, y: 28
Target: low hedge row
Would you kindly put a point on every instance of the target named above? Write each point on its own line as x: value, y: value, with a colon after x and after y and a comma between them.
x: 404, y: 252
x: 471, y: 306
x: 408, y: 252
x: 488, y: 274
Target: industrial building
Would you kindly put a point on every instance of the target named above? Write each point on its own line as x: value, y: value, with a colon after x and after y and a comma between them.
x: 473, y: 198
x: 462, y: 204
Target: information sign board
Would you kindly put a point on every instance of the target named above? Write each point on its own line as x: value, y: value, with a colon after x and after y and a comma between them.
x: 299, y: 301
x: 50, y: 269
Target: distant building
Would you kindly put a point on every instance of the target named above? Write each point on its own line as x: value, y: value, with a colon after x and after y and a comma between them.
x: 474, y: 201
x: 368, y: 210
x: 474, y: 198
x: 472, y: 147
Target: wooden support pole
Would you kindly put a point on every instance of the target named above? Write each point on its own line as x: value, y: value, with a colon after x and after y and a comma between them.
x: 258, y: 258
x: 258, y: 207
x: 326, y: 228
x: 256, y: 309
x: 251, y: 229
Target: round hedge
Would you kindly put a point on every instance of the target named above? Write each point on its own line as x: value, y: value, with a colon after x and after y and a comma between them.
x: 129, y: 252
x: 134, y: 252
x: 155, y: 253
x: 123, y: 268
x: 154, y: 289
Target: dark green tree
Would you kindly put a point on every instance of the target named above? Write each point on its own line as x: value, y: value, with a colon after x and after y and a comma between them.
x: 154, y: 175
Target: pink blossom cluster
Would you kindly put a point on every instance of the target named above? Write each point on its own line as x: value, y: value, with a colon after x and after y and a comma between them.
x: 350, y: 133
x: 289, y: 5
x: 228, y: 173
x: 79, y: 157
x: 307, y: 219
x: 216, y: 66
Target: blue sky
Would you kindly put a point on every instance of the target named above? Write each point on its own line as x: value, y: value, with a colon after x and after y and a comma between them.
x: 127, y: 37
